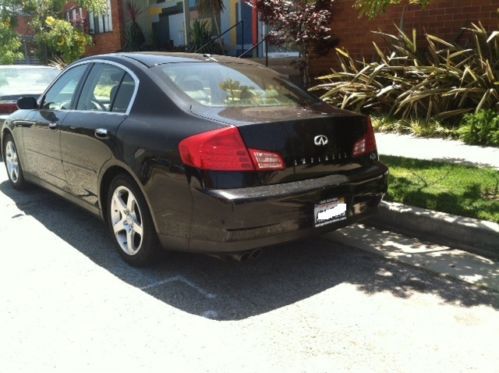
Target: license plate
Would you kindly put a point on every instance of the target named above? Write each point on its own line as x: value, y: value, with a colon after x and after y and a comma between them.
x: 330, y: 211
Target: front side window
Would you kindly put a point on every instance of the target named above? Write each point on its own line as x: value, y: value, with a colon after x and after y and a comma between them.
x: 61, y: 95
x: 101, y: 90
x: 232, y: 85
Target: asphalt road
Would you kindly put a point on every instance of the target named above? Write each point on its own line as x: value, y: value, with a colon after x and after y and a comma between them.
x: 68, y: 303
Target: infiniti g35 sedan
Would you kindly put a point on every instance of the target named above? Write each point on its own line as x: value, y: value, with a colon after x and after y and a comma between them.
x: 194, y: 152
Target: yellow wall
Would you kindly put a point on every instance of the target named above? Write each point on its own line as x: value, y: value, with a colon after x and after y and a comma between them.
x: 232, y: 8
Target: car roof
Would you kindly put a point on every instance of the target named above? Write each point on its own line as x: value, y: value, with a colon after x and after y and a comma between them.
x: 151, y: 59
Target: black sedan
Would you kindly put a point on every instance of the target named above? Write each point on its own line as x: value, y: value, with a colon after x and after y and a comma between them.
x: 196, y: 153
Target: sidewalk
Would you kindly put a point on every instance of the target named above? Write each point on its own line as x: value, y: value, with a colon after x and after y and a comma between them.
x: 437, y: 150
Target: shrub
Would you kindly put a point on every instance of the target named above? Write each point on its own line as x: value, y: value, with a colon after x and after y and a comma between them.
x: 135, y: 39
x: 481, y: 128
x: 202, y: 40
x: 416, y: 127
x: 440, y: 82
x: 63, y: 39
x: 10, y: 44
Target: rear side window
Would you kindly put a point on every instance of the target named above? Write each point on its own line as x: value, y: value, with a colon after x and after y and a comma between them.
x: 124, y: 95
x: 102, y: 90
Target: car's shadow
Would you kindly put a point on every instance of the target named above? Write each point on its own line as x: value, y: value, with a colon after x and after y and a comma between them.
x: 227, y: 290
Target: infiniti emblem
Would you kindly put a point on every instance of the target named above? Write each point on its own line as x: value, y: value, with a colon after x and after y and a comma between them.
x: 321, y: 140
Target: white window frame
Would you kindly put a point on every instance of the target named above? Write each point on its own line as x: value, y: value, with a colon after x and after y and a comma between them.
x: 104, y: 21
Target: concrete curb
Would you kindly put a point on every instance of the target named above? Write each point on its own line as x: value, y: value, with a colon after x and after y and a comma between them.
x: 477, y: 236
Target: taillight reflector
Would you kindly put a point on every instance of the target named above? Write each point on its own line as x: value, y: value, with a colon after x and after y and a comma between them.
x: 367, y: 144
x: 264, y: 160
x: 224, y: 150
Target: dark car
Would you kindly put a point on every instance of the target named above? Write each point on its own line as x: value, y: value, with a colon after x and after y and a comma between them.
x: 196, y: 153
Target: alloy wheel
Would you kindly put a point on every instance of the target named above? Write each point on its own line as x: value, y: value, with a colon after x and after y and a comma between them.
x: 126, y: 220
x: 12, y: 161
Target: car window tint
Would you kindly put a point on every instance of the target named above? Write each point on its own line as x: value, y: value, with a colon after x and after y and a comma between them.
x: 101, y: 88
x: 124, y: 95
x: 60, y: 95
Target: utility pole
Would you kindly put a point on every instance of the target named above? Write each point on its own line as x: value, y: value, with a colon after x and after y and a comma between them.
x: 187, y: 21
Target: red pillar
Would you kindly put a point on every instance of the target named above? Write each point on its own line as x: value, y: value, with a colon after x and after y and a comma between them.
x: 254, y: 19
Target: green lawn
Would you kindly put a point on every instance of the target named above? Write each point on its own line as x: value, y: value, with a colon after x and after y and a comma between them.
x: 455, y: 189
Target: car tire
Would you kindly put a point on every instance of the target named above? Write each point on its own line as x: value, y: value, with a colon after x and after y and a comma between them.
x: 13, y: 163
x: 130, y: 222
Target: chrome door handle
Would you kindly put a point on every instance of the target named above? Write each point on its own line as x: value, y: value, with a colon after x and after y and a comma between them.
x: 101, y: 133
x: 52, y: 125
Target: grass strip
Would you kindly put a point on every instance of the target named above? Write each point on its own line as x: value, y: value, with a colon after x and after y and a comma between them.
x: 455, y: 189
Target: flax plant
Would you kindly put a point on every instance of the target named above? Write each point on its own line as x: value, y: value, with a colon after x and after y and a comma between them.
x: 442, y: 81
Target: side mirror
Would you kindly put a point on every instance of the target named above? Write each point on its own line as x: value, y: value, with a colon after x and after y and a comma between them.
x: 27, y: 103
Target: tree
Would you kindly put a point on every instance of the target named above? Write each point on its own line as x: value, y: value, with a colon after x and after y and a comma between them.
x: 212, y: 9
x: 373, y: 8
x: 68, y: 42
x: 303, y: 24
x: 135, y: 38
x: 10, y: 44
x: 55, y: 35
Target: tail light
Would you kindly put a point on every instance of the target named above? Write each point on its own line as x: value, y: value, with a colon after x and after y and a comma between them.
x: 367, y: 144
x: 224, y: 150
x: 7, y: 107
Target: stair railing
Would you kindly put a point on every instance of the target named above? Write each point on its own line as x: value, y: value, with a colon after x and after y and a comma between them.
x: 264, y: 40
x: 212, y: 40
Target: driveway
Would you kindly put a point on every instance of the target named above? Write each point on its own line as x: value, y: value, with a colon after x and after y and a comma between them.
x: 69, y: 303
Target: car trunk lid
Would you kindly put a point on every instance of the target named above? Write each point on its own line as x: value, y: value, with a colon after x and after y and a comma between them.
x: 314, y: 141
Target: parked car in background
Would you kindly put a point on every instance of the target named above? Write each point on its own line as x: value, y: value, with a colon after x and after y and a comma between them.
x: 196, y: 153
x: 18, y: 81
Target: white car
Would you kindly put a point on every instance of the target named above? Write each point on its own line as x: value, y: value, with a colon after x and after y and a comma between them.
x: 18, y: 81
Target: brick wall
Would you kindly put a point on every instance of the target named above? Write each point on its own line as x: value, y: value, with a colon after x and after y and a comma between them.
x: 443, y: 18
x: 113, y: 41
x: 23, y: 27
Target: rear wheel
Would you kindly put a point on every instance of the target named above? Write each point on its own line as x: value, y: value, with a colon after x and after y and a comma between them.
x: 130, y: 222
x: 12, y: 163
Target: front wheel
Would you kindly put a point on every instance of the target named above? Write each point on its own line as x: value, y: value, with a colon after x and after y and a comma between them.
x: 130, y: 222
x: 12, y: 163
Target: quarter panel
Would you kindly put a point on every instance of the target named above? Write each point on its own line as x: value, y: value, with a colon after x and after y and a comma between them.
x: 150, y: 149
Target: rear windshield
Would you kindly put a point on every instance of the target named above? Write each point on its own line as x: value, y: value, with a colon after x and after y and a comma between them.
x: 233, y: 85
x: 18, y: 80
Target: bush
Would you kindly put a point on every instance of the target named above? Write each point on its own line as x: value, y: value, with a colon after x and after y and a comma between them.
x: 10, y: 44
x: 439, y: 82
x: 63, y: 39
x: 201, y: 36
x: 481, y: 128
x: 416, y: 127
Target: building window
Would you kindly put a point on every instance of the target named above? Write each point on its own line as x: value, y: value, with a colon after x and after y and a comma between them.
x: 101, y: 23
x: 76, y: 18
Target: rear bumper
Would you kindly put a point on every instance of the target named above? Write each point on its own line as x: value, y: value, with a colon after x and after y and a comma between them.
x: 235, y: 220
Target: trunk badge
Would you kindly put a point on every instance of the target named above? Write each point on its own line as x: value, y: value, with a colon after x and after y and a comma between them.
x: 321, y: 140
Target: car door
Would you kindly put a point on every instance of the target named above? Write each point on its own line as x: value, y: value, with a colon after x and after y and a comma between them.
x: 42, y: 137
x: 88, y: 134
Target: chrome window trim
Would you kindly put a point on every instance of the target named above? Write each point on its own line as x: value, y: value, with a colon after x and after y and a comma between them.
x: 126, y: 69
